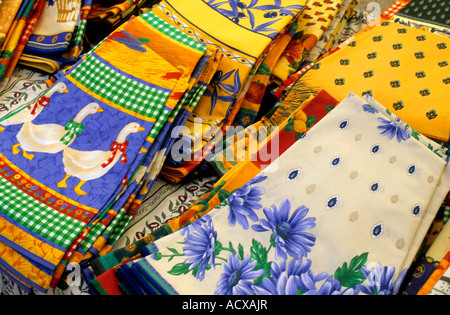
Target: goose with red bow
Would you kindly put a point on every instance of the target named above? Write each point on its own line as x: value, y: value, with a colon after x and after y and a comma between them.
x: 32, y: 111
x: 90, y: 165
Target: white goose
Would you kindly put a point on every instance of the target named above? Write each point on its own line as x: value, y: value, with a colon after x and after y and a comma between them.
x: 89, y: 165
x: 51, y: 138
x: 32, y: 111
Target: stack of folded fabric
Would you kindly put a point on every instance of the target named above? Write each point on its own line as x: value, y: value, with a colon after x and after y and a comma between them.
x: 278, y: 241
x: 44, y: 35
x: 245, y: 142
x: 57, y: 39
x: 288, y: 55
x: 69, y: 165
x: 403, y: 67
x: 106, y: 16
x: 431, y: 267
x: 429, y: 15
x: 18, y: 21
x: 104, y: 267
x: 229, y: 26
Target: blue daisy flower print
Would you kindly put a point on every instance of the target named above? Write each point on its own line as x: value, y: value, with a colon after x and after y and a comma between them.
x: 289, y: 233
x: 391, y: 130
x: 331, y: 286
x: 238, y: 276
x: 194, y: 226
x: 244, y: 201
x: 381, y: 281
x: 370, y: 109
x: 201, y: 247
x: 284, y: 278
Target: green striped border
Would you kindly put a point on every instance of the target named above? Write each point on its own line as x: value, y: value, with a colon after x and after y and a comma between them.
x: 35, y: 216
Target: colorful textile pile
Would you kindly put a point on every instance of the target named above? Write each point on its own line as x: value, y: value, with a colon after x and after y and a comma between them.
x: 229, y: 26
x: 277, y: 242
x: 18, y: 33
x: 57, y: 39
x: 106, y: 16
x: 45, y: 35
x: 75, y: 156
x: 172, y: 147
x: 416, y: 95
x: 423, y: 277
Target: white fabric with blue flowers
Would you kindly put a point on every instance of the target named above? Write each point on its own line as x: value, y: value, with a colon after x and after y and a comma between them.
x: 340, y: 212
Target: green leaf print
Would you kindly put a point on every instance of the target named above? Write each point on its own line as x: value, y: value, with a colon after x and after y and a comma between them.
x: 241, y: 252
x: 311, y: 121
x: 180, y: 269
x: 259, y: 253
x: 352, y: 275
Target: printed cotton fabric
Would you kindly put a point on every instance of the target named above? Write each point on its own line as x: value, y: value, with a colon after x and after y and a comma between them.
x: 63, y: 49
x: 24, y: 85
x: 18, y: 35
x: 93, y: 147
x: 101, y: 235
x: 313, y: 23
x: 274, y: 236
x: 163, y: 202
x: 55, y: 27
x: 8, y: 10
x: 427, y: 265
x: 330, y: 36
x: 415, y: 86
x: 316, y: 108
x: 230, y: 27
x: 441, y: 284
x: 286, y: 124
x: 433, y: 16
x: 153, y: 162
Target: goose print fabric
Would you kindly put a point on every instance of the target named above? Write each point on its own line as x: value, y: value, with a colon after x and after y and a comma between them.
x: 77, y: 145
x: 275, y: 235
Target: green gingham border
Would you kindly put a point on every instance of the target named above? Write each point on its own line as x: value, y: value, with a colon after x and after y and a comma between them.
x: 172, y: 31
x: 35, y: 216
x: 189, y: 101
x: 135, y: 96
x: 99, y: 228
x: 96, y: 231
x: 115, y: 229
